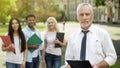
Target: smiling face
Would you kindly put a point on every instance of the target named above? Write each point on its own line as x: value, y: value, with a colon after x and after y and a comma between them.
x: 51, y: 25
x: 31, y: 22
x: 15, y: 25
x: 85, y: 17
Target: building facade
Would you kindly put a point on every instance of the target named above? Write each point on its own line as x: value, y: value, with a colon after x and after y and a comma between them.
x: 100, y: 13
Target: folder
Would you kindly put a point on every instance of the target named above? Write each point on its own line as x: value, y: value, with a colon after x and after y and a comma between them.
x: 79, y: 64
x: 34, y: 40
x: 60, y: 37
x: 7, y: 41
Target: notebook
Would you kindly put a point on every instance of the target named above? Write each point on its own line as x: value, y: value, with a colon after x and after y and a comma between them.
x: 7, y: 41
x: 34, y: 40
x: 60, y: 37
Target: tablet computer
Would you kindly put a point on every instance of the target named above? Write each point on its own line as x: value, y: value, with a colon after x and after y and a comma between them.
x: 79, y: 64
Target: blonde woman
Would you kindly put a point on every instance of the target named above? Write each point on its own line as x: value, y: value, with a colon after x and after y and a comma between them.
x: 52, y: 55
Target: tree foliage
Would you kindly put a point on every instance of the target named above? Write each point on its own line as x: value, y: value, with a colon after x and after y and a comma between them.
x: 20, y: 8
x: 119, y: 2
x: 99, y: 3
x: 41, y: 8
x: 45, y: 9
x: 23, y: 8
x: 7, y: 7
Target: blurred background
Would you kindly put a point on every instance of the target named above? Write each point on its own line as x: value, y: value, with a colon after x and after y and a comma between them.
x: 105, y: 11
x: 106, y: 15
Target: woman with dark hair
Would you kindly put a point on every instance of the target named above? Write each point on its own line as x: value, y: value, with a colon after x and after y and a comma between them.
x: 17, y: 58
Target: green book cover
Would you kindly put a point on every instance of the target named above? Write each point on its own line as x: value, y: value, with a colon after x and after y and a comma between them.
x: 34, y: 40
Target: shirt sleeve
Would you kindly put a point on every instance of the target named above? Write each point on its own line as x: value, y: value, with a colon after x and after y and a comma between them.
x: 109, y: 50
x: 40, y: 45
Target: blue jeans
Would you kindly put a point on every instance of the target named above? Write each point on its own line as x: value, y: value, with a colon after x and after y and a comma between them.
x: 34, y: 64
x: 52, y: 61
x: 12, y: 65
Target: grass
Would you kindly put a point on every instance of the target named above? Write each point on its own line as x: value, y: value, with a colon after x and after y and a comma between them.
x: 4, y: 28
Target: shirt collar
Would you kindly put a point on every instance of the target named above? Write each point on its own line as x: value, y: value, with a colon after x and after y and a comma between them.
x: 28, y: 28
x: 91, y: 29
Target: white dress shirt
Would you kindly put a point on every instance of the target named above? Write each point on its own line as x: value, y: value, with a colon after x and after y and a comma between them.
x: 99, y: 46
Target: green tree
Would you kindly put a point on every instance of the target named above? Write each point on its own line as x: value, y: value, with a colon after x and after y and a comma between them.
x: 99, y: 3
x: 41, y: 8
x: 24, y: 7
x: 6, y: 8
x: 45, y: 9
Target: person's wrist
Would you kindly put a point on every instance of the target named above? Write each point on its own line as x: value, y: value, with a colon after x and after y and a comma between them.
x: 68, y: 66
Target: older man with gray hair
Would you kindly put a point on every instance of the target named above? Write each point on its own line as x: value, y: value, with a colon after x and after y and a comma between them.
x: 90, y: 42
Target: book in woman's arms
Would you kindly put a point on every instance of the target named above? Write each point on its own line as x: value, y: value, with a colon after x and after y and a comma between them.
x: 59, y: 36
x: 7, y: 41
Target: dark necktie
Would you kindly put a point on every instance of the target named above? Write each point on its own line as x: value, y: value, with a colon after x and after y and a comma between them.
x: 83, y: 46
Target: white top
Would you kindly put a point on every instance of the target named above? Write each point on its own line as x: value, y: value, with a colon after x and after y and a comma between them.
x: 99, y: 46
x: 1, y: 41
x: 18, y: 56
x: 50, y: 37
